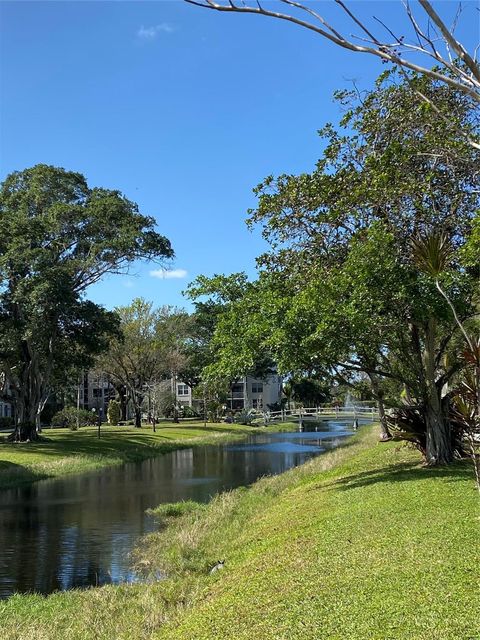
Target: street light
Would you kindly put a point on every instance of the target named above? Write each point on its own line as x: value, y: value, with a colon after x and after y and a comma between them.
x: 98, y: 420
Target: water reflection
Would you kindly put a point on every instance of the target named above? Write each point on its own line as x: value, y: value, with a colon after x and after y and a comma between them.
x: 78, y: 531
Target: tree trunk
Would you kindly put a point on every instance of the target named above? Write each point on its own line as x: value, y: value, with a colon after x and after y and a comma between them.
x: 122, y: 397
x: 28, y: 396
x: 378, y: 395
x: 438, y: 448
x: 27, y: 405
x: 175, y: 414
x: 24, y: 432
x: 138, y: 417
x: 439, y: 439
x: 384, y: 430
x: 26, y: 419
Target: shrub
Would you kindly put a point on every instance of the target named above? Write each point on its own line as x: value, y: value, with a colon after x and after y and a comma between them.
x: 189, y: 412
x: 114, y: 412
x: 278, y: 406
x: 168, y: 404
x: 71, y: 417
x: 6, y: 422
x: 245, y: 416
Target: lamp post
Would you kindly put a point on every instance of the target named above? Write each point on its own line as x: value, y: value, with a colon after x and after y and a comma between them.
x: 98, y: 421
x: 78, y: 401
x: 205, y: 405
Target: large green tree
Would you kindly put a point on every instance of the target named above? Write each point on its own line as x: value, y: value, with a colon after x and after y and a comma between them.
x: 148, y: 350
x: 341, y: 287
x: 223, y: 356
x: 59, y: 236
x: 197, y: 348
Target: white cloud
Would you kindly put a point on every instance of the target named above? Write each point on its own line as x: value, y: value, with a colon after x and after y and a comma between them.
x: 150, y: 33
x: 129, y: 284
x: 165, y: 274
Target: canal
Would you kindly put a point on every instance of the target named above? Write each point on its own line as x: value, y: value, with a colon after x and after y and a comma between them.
x: 78, y: 531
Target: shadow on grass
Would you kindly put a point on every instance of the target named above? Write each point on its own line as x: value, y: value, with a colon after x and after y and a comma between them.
x: 128, y: 446
x: 109, y: 446
x: 403, y: 472
x: 14, y: 475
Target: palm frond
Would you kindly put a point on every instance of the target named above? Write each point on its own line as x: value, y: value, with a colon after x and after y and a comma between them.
x: 431, y: 252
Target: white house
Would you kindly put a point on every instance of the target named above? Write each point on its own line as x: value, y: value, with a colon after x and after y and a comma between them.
x: 255, y: 393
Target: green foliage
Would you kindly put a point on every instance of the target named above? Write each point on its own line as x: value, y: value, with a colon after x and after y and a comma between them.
x: 114, y: 412
x: 233, y: 300
x: 197, y: 348
x: 310, y: 392
x: 278, y: 406
x: 189, y: 412
x: 60, y: 236
x: 471, y: 250
x: 149, y: 349
x: 73, y: 418
x: 6, y: 422
x: 245, y: 416
x: 432, y: 252
x: 341, y: 291
x: 212, y: 395
x: 168, y: 404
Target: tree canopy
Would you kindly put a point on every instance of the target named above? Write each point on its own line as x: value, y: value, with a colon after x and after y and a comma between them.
x: 59, y: 237
x: 147, y: 350
x: 341, y: 287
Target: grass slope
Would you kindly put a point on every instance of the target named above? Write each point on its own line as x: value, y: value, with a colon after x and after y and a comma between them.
x: 63, y: 451
x: 362, y: 543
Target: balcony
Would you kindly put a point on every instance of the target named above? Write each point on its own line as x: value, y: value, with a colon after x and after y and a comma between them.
x: 236, y: 395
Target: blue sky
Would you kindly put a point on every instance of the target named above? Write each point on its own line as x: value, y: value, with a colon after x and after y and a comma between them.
x: 184, y: 110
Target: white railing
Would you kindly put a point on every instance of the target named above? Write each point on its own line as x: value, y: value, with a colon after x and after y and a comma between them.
x: 317, y: 412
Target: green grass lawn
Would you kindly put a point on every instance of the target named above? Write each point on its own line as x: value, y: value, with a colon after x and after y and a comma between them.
x: 63, y: 451
x: 363, y: 543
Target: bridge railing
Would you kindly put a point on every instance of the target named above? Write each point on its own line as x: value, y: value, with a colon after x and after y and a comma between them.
x: 317, y: 412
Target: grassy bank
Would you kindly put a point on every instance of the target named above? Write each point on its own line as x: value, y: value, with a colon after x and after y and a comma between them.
x: 63, y: 451
x: 362, y: 543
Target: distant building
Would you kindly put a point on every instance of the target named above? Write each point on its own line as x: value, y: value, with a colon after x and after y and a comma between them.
x: 255, y: 393
x: 245, y: 393
x: 6, y: 410
x: 95, y: 393
x: 183, y: 394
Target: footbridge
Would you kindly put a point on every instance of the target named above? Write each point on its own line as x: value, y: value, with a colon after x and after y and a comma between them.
x: 314, y: 414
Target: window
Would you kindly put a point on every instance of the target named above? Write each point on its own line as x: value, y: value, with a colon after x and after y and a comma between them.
x: 97, y: 393
x: 182, y: 389
x: 237, y: 388
x: 257, y: 403
x: 257, y: 387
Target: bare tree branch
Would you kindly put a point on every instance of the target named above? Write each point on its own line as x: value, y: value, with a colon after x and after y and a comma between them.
x: 466, y: 80
x: 450, y: 39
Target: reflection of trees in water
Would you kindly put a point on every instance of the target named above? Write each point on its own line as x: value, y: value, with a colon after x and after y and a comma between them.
x: 78, y: 531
